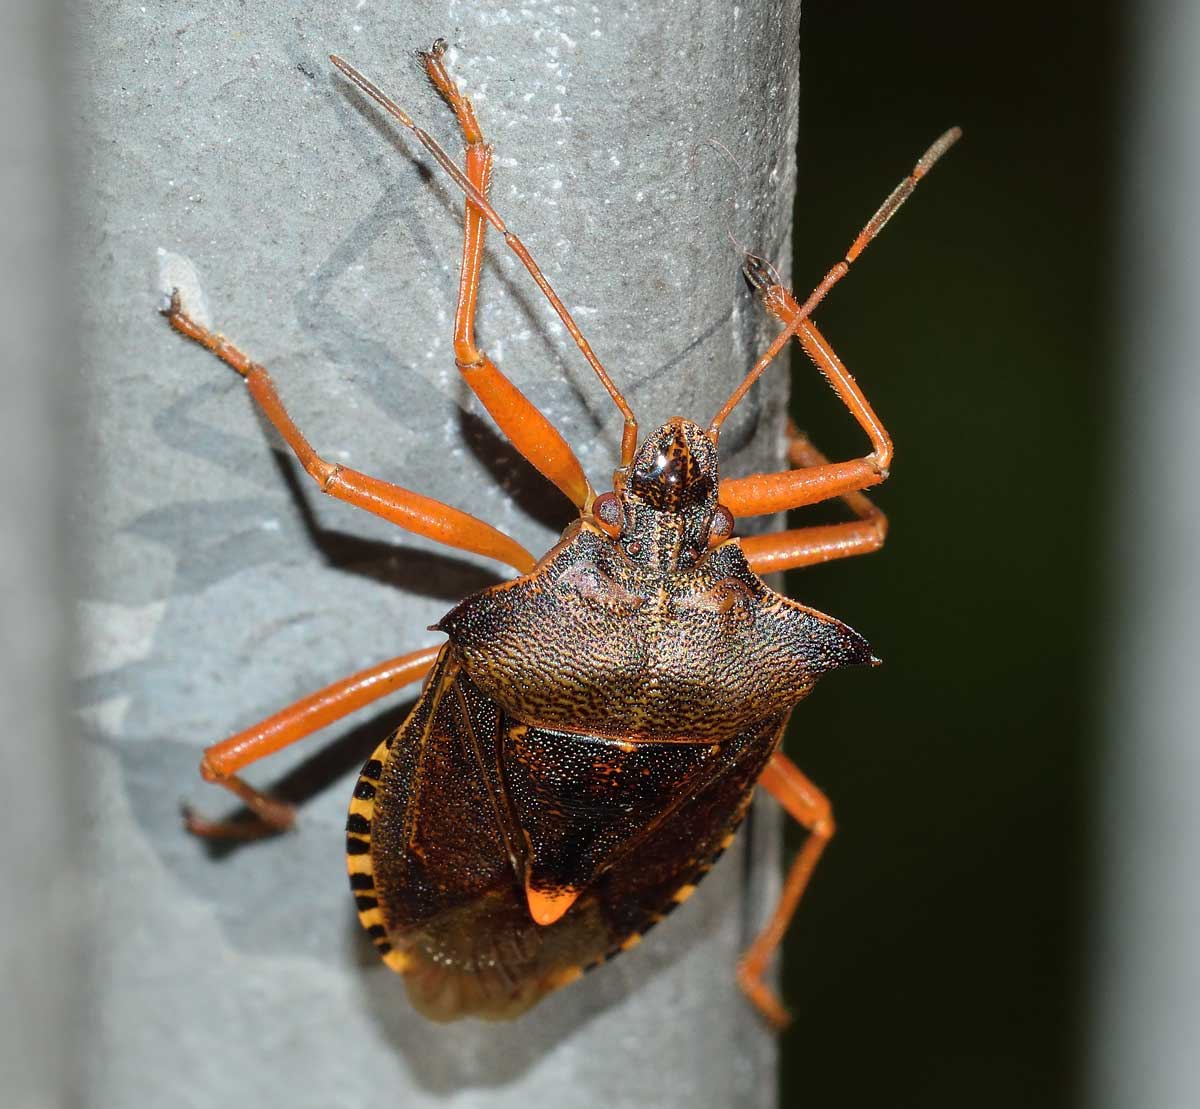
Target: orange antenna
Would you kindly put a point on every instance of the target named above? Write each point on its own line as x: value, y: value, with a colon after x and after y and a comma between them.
x: 476, y: 197
x: 873, y: 226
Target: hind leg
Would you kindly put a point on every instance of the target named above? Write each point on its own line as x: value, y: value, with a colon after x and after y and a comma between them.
x: 807, y: 804
x: 222, y: 760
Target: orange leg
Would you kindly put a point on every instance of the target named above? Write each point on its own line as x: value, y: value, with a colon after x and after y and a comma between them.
x: 534, y: 436
x: 402, y: 507
x: 807, y: 804
x: 222, y: 760
x: 789, y: 550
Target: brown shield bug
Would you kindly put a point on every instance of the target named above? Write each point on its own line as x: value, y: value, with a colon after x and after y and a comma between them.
x: 590, y: 735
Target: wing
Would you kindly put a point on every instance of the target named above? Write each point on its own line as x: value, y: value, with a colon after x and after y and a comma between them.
x: 438, y: 852
x: 661, y: 871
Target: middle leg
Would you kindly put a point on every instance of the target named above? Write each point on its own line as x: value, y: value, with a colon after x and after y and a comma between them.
x: 400, y: 506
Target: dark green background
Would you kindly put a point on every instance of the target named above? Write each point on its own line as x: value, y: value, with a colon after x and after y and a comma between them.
x: 940, y: 957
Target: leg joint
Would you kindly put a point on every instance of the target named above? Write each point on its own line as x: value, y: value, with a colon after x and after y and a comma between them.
x: 326, y: 473
x: 467, y: 357
x: 209, y: 772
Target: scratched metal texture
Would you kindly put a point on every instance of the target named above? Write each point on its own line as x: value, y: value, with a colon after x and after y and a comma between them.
x: 219, y: 152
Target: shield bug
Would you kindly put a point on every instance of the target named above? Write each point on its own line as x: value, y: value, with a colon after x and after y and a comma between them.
x: 591, y: 733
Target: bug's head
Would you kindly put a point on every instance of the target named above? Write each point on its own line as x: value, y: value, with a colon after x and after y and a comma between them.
x: 664, y: 510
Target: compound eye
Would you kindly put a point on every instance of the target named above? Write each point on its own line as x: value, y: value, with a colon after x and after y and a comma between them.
x: 721, y: 527
x: 606, y: 508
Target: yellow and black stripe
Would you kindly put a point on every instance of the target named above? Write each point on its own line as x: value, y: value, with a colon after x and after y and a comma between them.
x: 358, y: 859
x: 677, y: 898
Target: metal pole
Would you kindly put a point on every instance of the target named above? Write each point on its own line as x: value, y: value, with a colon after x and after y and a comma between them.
x: 39, y: 832
x: 225, y: 156
x: 1147, y: 968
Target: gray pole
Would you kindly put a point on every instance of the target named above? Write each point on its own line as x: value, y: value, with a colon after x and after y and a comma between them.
x: 225, y: 156
x: 39, y: 831
x: 1147, y: 971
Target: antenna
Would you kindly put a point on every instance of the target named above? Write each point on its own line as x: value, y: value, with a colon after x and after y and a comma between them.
x: 629, y: 435
x: 873, y: 226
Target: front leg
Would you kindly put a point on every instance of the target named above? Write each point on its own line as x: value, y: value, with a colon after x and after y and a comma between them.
x: 763, y: 494
x: 521, y: 422
x: 796, y: 321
